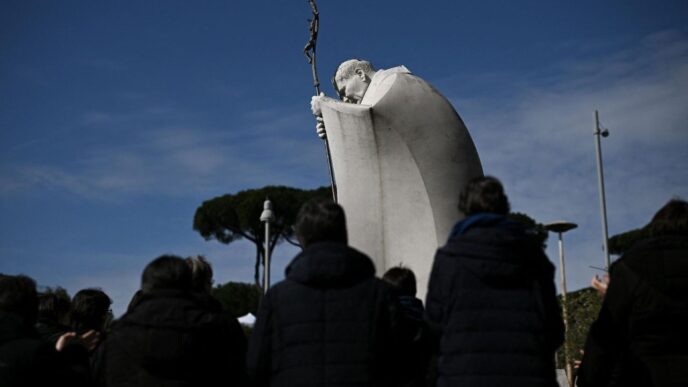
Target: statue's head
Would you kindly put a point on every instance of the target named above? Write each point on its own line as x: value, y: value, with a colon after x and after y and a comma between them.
x: 352, y: 79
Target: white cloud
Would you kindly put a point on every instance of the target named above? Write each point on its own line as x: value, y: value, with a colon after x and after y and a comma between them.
x: 173, y: 160
x: 538, y: 138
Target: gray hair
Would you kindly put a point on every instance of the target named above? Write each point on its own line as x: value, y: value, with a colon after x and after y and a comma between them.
x: 201, y: 274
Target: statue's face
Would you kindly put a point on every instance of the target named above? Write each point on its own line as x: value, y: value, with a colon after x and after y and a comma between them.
x: 353, y: 88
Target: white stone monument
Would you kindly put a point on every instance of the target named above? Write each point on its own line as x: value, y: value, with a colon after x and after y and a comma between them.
x: 401, y: 155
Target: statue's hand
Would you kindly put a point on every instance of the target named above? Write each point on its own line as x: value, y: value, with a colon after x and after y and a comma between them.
x: 320, y: 127
x: 315, y: 104
x: 316, y: 100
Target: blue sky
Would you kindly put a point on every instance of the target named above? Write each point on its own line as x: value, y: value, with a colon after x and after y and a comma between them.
x: 117, y: 119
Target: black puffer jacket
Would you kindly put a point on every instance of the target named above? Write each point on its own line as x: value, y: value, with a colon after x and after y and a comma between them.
x: 329, y: 323
x: 171, y: 338
x: 28, y: 360
x: 640, y: 337
x: 491, y: 300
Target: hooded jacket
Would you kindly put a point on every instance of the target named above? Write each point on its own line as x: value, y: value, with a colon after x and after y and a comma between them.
x: 640, y: 337
x: 492, y: 303
x: 28, y: 360
x: 173, y: 338
x: 329, y: 323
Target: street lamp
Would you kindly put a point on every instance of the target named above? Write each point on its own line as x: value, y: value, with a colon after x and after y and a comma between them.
x: 601, y: 132
x: 267, y: 217
x: 560, y: 228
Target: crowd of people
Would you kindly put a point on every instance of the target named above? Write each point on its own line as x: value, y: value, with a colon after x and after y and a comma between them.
x: 491, y: 316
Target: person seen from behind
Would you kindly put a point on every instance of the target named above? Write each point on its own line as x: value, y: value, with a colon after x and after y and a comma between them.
x: 53, y: 316
x: 330, y: 322
x: 170, y: 337
x: 26, y: 359
x: 491, y: 299
x: 640, y: 337
x: 201, y: 287
x: 415, y: 347
x: 90, y: 313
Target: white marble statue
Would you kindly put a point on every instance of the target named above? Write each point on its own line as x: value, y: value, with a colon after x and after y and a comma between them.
x: 401, y: 155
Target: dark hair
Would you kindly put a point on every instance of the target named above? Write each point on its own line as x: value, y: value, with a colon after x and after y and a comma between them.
x: 321, y: 220
x: 18, y: 295
x: 166, y: 272
x: 671, y: 219
x: 53, y: 307
x: 90, y: 309
x: 201, y: 274
x: 483, y: 194
x: 401, y: 278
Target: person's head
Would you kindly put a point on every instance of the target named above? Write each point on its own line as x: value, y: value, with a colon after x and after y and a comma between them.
x: 18, y: 295
x: 671, y: 219
x: 201, y: 274
x: 53, y: 307
x: 167, y: 272
x: 401, y: 278
x: 90, y: 309
x: 321, y: 220
x: 483, y: 194
x: 352, y: 78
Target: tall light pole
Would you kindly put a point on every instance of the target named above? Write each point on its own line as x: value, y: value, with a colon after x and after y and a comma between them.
x: 600, y: 132
x: 560, y: 228
x: 267, y: 217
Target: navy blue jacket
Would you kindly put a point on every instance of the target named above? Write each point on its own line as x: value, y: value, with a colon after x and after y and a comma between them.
x: 492, y: 303
x: 329, y: 323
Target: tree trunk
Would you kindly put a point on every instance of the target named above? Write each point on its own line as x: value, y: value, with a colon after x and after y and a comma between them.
x: 256, y: 277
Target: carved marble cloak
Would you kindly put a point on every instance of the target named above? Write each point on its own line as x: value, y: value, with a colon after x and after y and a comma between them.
x: 400, y: 159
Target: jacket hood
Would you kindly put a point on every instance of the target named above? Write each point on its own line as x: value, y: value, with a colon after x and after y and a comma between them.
x: 661, y: 261
x: 171, y: 309
x: 330, y: 264
x: 499, y: 250
x: 172, y: 320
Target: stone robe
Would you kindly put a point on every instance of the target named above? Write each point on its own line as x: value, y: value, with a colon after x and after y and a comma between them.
x: 400, y: 159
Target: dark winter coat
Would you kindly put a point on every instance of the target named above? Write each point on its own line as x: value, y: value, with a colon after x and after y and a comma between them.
x: 28, y: 360
x: 329, y: 323
x: 415, y: 350
x: 491, y: 301
x: 50, y: 330
x: 172, y: 338
x: 640, y: 337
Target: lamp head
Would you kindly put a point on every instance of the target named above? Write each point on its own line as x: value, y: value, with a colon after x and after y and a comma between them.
x: 267, y: 215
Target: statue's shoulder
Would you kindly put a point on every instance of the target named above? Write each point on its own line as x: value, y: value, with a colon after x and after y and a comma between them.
x: 386, y: 75
x: 382, y: 81
x: 395, y: 70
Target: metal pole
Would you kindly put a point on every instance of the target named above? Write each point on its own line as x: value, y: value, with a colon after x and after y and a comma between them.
x: 266, y: 263
x: 564, y: 307
x: 267, y: 216
x: 600, y: 178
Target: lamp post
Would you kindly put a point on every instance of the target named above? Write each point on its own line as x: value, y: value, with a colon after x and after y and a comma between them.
x: 601, y: 132
x: 560, y: 228
x: 267, y: 217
